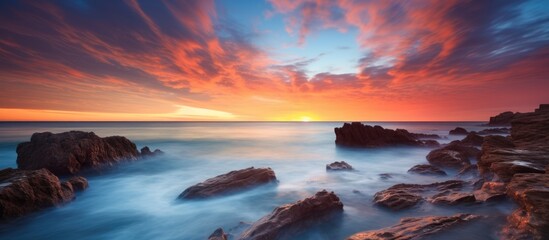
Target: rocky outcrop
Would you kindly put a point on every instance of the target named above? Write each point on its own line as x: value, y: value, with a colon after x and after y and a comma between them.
x: 26, y: 191
x: 230, y: 182
x: 503, y: 118
x: 218, y: 234
x: 339, y: 166
x: 70, y: 152
x: 531, y: 220
x: 458, y: 131
x: 357, y: 134
x: 287, y: 219
x: 425, y: 169
x: 403, y: 195
x: 452, y: 198
x: 146, y: 152
x: 78, y: 183
x: 416, y: 228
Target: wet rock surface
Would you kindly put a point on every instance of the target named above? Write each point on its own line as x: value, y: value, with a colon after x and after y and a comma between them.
x: 490, y: 191
x: 357, y: 134
x: 402, y: 196
x: 218, y: 234
x: 531, y: 219
x: 454, y: 155
x: 26, y: 191
x: 70, y: 152
x: 287, y: 219
x: 229, y: 183
x: 416, y: 228
x: 425, y: 169
x: 339, y: 166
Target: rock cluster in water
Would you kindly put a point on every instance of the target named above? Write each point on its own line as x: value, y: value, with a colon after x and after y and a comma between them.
x: 357, y: 134
x: 70, y: 152
x: 35, y: 184
x: 339, y: 166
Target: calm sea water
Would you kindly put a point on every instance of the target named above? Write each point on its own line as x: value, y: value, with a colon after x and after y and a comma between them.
x: 137, y: 200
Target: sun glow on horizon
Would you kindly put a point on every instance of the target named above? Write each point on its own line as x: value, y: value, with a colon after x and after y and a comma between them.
x: 305, y: 119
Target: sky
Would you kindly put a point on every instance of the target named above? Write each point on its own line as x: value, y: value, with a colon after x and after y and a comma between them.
x: 274, y: 60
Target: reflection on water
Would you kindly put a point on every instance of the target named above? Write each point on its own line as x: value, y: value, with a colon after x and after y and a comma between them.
x: 137, y: 200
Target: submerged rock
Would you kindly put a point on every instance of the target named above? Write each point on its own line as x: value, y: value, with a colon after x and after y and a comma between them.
x: 403, y: 195
x: 357, y: 134
x: 70, y: 152
x: 26, y: 191
x: 230, y: 182
x: 531, y: 220
x: 416, y: 228
x: 425, y: 169
x: 339, y: 166
x: 218, y: 234
x: 458, y: 131
x: 287, y: 219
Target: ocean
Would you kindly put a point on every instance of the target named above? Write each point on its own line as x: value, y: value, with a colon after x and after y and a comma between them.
x: 137, y: 200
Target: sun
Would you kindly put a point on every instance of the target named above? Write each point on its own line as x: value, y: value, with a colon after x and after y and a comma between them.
x: 305, y: 119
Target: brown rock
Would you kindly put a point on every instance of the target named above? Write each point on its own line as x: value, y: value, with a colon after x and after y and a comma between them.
x: 415, y: 228
x: 69, y: 152
x: 425, y: 169
x: 287, y: 219
x: 218, y: 234
x: 473, y: 139
x: 26, y: 191
x: 339, y: 166
x: 357, y: 134
x: 468, y: 171
x: 452, y: 198
x: 531, y: 220
x: 491, y: 191
x: 230, y: 182
x: 403, y: 195
x: 454, y: 155
x: 458, y: 131
x: 78, y: 183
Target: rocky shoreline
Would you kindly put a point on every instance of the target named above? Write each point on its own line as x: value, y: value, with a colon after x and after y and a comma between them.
x: 484, y: 167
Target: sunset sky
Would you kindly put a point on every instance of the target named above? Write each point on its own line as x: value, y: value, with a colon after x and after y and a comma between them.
x: 293, y: 60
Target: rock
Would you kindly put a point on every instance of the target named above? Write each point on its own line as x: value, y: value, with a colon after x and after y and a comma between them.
x: 458, y: 131
x: 454, y: 155
x: 490, y: 131
x: 26, y: 191
x: 78, y: 183
x: 357, y: 134
x: 506, y: 170
x: 447, y: 158
x: 421, y: 135
x: 503, y: 118
x: 385, y: 176
x: 70, y: 152
x: 146, y: 152
x: 425, y: 169
x: 415, y: 228
x: 543, y: 108
x: 218, y: 234
x: 531, y: 219
x: 403, y: 195
x: 452, y: 198
x: 490, y: 191
x: 531, y: 131
x: 287, y: 219
x: 468, y: 171
x: 230, y: 182
x: 339, y: 166
x: 473, y: 139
